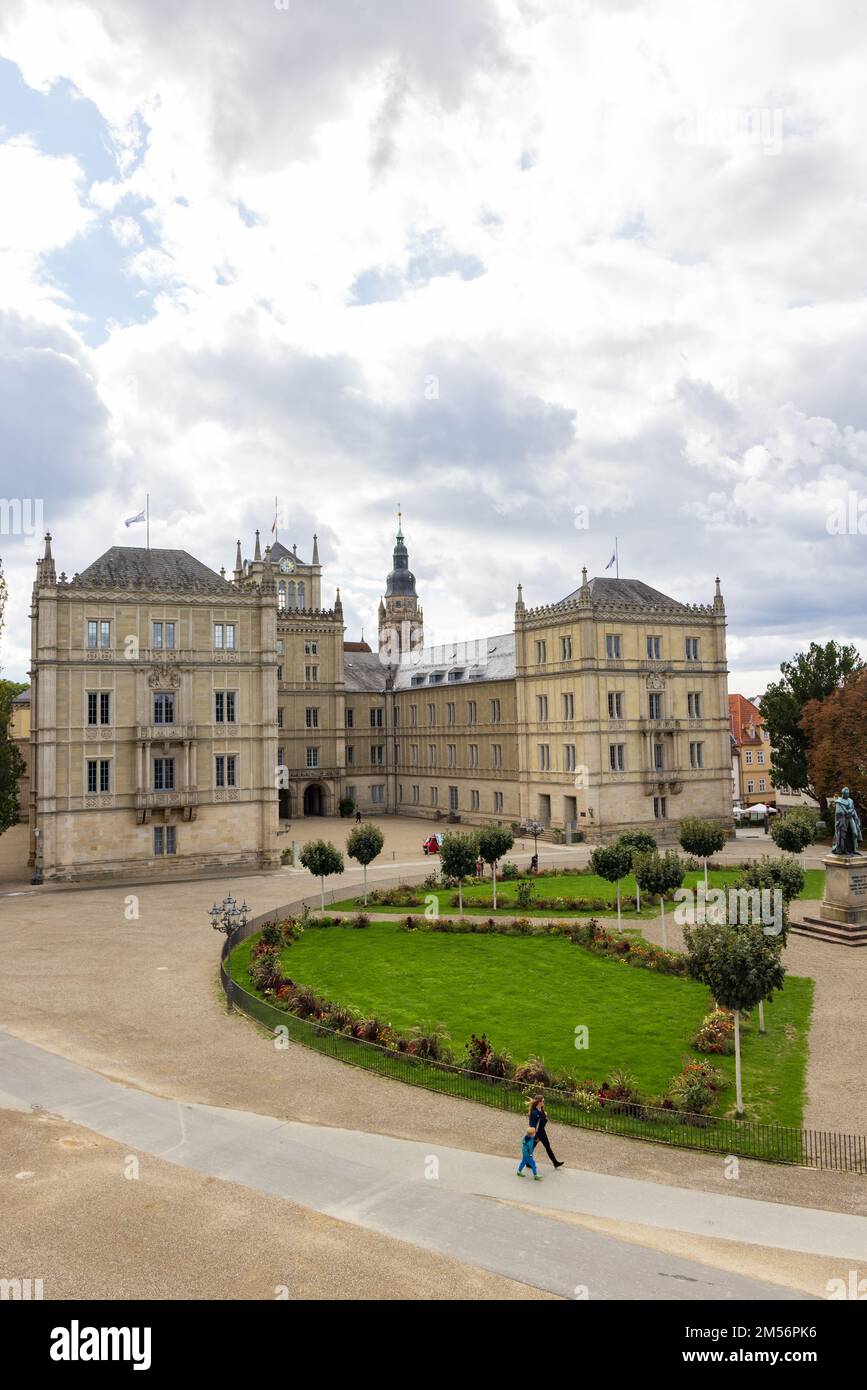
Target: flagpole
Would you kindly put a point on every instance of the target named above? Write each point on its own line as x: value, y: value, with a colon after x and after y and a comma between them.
x: 148, y: 519
x: 616, y: 558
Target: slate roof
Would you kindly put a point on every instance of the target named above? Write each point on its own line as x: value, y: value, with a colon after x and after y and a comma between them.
x: 127, y: 565
x: 629, y: 593
x: 23, y: 698
x: 488, y: 658
x: 364, y: 672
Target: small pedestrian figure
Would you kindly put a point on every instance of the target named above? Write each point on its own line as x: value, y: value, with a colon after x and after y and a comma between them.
x: 534, y: 864
x: 527, y: 1159
x: 358, y: 818
x: 480, y: 868
x: 767, y: 822
x: 538, y: 1124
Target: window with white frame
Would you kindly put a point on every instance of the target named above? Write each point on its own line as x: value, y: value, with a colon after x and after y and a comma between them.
x: 617, y: 757
x: 568, y: 705
x: 612, y: 646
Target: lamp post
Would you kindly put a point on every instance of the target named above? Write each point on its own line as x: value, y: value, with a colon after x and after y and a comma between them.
x: 535, y: 828
x: 37, y: 863
x: 227, y: 919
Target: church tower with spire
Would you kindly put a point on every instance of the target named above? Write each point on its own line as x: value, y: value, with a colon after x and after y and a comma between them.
x: 401, y: 621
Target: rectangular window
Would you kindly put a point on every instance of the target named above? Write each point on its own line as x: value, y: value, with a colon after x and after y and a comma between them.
x: 471, y: 711
x: 105, y: 708
x: 377, y: 794
x: 92, y: 632
x: 165, y: 839
x: 105, y: 634
x: 279, y: 646
x: 450, y: 712
x: 569, y: 706
x: 615, y: 704
x: 617, y: 757
x: 569, y: 757
x: 474, y: 754
x: 654, y: 648
x: 224, y: 636
x: 219, y: 706
x: 349, y: 714
x: 431, y: 714
x: 495, y: 711
x: 99, y: 774
x: 159, y: 840
x: 350, y: 754
x: 311, y: 716
x: 474, y: 801
x: 542, y: 708
x: 761, y: 784
x: 751, y: 786
x: 230, y: 706
x: 279, y: 716
x: 498, y: 801
x: 696, y: 755
x: 655, y: 706
x: 92, y: 706
x: 453, y: 798
x: 311, y: 674
x: 541, y: 653
x: 376, y: 718
x: 748, y: 756
x: 452, y: 753
x: 660, y: 807
x: 760, y: 756
x: 434, y: 795
x: 415, y: 792
x: 496, y: 755
x: 565, y: 648
x: 164, y: 708
x: 431, y: 755
x: 164, y: 774
x: 377, y: 754
x: 692, y: 649
x: 312, y: 757
x: 164, y: 636
x: 544, y: 757
x: 311, y: 648
x: 658, y: 757
x: 413, y: 715
x: 92, y: 774
x: 612, y: 646
x: 693, y: 704
x: 279, y: 673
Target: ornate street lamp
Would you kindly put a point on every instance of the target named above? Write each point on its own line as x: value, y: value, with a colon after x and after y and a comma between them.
x: 535, y: 828
x: 227, y: 919
x: 37, y: 862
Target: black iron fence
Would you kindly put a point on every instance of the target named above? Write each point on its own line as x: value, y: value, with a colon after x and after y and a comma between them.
x: 774, y: 1143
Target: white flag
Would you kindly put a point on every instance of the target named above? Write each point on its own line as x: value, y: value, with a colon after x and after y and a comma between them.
x: 131, y: 520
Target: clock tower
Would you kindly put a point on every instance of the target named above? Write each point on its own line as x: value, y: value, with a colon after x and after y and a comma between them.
x: 401, y: 621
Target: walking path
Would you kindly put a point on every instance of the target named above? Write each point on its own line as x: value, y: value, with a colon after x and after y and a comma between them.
x: 439, y: 1198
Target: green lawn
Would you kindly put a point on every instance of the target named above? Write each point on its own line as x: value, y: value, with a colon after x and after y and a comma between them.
x: 529, y: 993
x: 572, y: 886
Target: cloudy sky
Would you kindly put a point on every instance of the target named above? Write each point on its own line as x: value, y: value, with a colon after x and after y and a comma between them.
x: 542, y: 272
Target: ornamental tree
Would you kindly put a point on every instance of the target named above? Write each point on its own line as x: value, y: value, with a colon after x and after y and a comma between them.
x: 612, y: 862
x: 458, y: 860
x: 702, y: 838
x: 836, y: 732
x: 741, y: 967
x: 638, y: 842
x: 796, y: 829
x: 494, y: 841
x: 322, y: 859
x: 364, y: 845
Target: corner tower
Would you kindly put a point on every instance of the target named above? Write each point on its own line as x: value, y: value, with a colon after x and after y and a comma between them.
x: 401, y: 621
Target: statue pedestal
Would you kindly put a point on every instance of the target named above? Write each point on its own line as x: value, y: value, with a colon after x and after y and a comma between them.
x: 843, y: 914
x: 845, y: 897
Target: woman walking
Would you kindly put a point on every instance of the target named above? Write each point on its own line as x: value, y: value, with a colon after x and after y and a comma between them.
x: 538, y: 1123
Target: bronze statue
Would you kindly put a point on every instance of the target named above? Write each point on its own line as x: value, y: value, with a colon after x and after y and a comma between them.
x: 847, y: 826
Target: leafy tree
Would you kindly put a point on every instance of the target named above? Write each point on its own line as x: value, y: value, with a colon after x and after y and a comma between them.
x: 836, y: 732
x: 322, y: 859
x: 702, y: 838
x: 363, y: 845
x: 494, y: 841
x: 741, y: 967
x: 796, y: 829
x: 659, y: 875
x: 458, y: 860
x: 638, y: 842
x: 612, y: 862
x: 809, y: 676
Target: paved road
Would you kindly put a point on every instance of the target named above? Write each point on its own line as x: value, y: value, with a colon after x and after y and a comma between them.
x: 383, y: 1185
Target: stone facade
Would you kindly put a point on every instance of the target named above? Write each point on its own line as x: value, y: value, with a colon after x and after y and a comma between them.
x: 181, y: 719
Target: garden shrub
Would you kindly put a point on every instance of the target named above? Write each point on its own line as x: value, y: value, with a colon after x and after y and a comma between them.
x: 716, y: 1033
x: 695, y: 1088
x: 482, y: 1057
x: 533, y: 1072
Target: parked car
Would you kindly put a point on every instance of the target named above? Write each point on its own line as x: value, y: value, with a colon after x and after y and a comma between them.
x: 432, y: 844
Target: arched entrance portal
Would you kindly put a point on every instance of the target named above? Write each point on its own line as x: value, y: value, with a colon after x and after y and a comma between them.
x: 313, y: 800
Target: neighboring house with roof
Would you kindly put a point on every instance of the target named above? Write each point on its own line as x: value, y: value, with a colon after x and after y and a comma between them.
x: 182, y: 718
x: 752, y: 778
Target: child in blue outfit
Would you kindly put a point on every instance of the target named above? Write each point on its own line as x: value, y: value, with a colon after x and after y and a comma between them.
x: 527, y: 1159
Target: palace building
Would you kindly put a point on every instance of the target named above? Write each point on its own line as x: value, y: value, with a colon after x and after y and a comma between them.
x: 182, y: 719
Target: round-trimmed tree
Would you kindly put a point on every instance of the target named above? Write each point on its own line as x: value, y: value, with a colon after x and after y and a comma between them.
x: 458, y: 860
x: 322, y: 859
x: 702, y: 838
x: 659, y: 874
x: 364, y: 844
x: 612, y: 862
x: 638, y: 842
x: 741, y: 967
x: 494, y: 841
x: 796, y: 829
